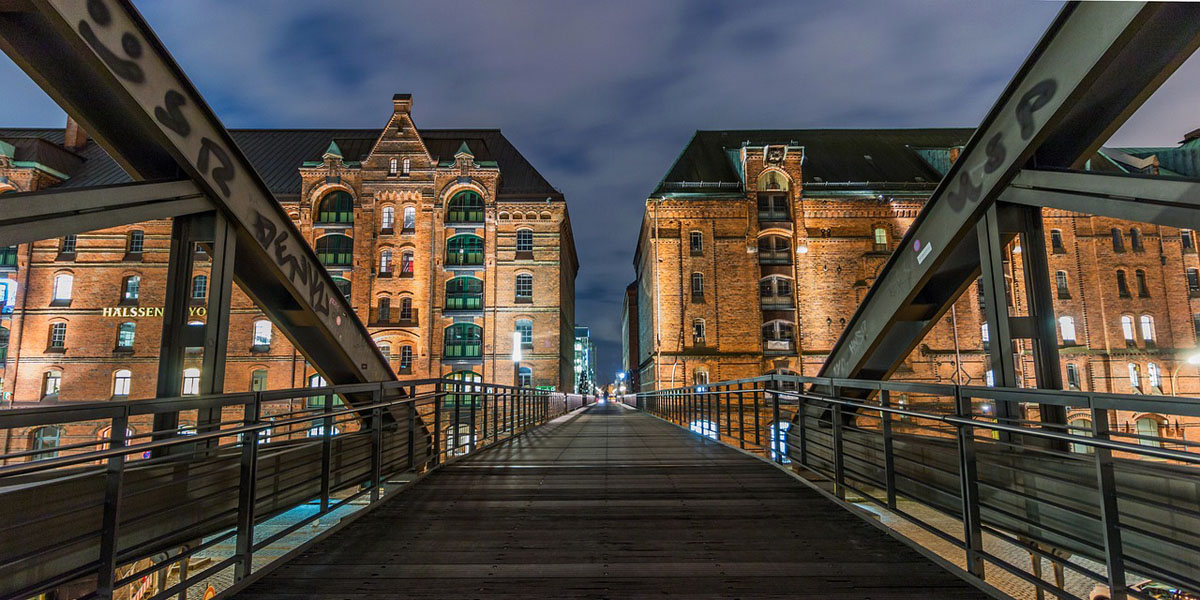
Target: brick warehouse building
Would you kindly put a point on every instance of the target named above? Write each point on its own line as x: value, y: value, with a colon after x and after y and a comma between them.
x: 757, y: 246
x: 445, y: 241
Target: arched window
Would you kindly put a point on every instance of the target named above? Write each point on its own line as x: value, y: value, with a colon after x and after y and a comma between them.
x: 525, y: 328
x: 1148, y: 430
x: 698, y: 332
x: 58, y: 336
x: 700, y: 376
x: 525, y: 377
x: 696, y: 243
x: 1060, y: 281
x: 772, y: 181
x: 1193, y: 282
x: 125, y: 334
x: 1122, y: 284
x: 335, y: 250
x: 1154, y: 375
x: 524, y: 240
x: 410, y: 218
x: 1188, y: 240
x: 463, y: 340
x: 130, y: 288
x: 122, y: 379
x: 697, y: 287
x: 1118, y: 240
x: 1067, y: 327
x: 191, y: 382
x: 343, y: 285
x: 51, y: 383
x: 775, y: 292
x: 465, y: 207
x: 406, y: 263
x: 63, y: 284
x: 524, y: 288
x: 385, y: 349
x: 778, y: 337
x: 387, y: 219
x: 1081, y: 427
x: 258, y: 380
x: 1073, y: 382
x: 135, y: 242
x: 407, y: 166
x: 466, y: 392
x: 779, y: 436
x: 464, y: 250
x: 47, y: 439
x: 383, y: 312
x: 457, y: 439
x: 336, y: 207
x: 385, y: 262
x: 1135, y: 380
x: 199, y: 287
x: 1127, y: 328
x: 1135, y: 239
x: 393, y: 166
x: 1148, y: 329
x: 406, y: 359
x: 406, y: 309
x: 464, y: 293
x: 774, y: 250
x: 262, y: 333
x: 881, y: 239
x: 1140, y: 278
x: 1056, y: 241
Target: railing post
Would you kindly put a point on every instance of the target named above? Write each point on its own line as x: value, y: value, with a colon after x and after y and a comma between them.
x: 326, y: 452
x: 439, y: 398
x: 777, y: 445
x: 496, y: 408
x: 801, y: 425
x: 111, y: 519
x: 969, y: 482
x: 741, y: 417
x: 376, y: 446
x: 247, y: 491
x: 483, y: 412
x: 452, y: 438
x: 471, y: 438
x: 757, y: 418
x: 889, y: 457
x: 839, y: 459
x: 412, y: 429
x: 1109, y: 513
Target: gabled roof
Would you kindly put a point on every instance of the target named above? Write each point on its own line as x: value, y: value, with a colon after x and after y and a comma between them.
x: 831, y: 156
x: 278, y: 154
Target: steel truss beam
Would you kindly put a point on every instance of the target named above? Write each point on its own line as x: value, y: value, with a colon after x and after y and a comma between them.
x: 1143, y: 198
x: 104, y: 65
x: 1094, y: 67
x: 32, y: 216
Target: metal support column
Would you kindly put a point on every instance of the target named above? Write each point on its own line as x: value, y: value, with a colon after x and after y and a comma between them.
x: 1044, y: 332
x: 174, y: 323
x: 995, y: 297
x: 216, y: 326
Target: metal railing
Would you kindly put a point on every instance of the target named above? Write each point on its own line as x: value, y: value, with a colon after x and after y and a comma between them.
x: 1102, y: 505
x: 127, y: 513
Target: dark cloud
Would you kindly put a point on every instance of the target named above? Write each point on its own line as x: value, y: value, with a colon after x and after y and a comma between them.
x: 602, y: 96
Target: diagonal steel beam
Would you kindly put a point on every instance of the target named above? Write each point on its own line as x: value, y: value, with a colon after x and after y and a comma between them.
x: 1165, y: 201
x: 1095, y: 65
x: 103, y: 64
x: 32, y: 216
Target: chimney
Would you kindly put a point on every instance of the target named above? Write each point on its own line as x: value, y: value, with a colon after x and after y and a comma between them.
x: 76, y: 138
x: 402, y: 103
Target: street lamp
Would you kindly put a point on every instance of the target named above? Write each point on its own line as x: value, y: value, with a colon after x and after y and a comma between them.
x: 1194, y: 359
x: 516, y: 358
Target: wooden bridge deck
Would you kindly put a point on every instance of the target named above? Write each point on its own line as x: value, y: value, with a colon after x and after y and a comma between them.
x: 609, y: 503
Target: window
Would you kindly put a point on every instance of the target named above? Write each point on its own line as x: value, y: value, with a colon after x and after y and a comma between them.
x: 46, y: 438
x: 1067, y: 325
x: 697, y: 287
x: 1060, y: 279
x: 63, y: 282
x: 258, y: 380
x: 58, y: 336
x: 199, y: 287
x: 1147, y: 329
x: 262, y: 333
x: 1135, y: 239
x: 406, y: 358
x: 1056, y: 242
x: 125, y: 335
x: 393, y: 166
x: 525, y: 328
x: 385, y: 262
x: 524, y: 287
x: 1134, y: 376
x: 467, y: 390
x: 464, y: 293
x: 406, y: 309
x: 989, y: 378
x: 696, y: 240
x: 524, y: 240
x: 67, y: 245
x: 1118, y: 240
x: 51, y: 383
x: 3, y: 344
x: 191, y: 382
x: 129, y: 289
x: 463, y: 340
x: 1122, y: 284
x: 700, y: 376
x: 1073, y: 377
x: 774, y: 250
x: 8, y: 256
x: 776, y: 292
x: 383, y: 313
x: 335, y: 208
x: 410, y: 218
x: 525, y: 377
x: 1196, y: 326
x: 407, y: 166
x: 335, y: 250
x: 1127, y: 328
x: 464, y: 250
x: 881, y: 239
x: 778, y: 336
x: 779, y: 435
x: 387, y: 219
x: 1148, y: 432
x: 121, y: 381
x: 984, y: 336
x: 1154, y: 374
x: 705, y: 428
x: 1193, y: 282
x: 465, y: 207
x: 316, y: 401
x: 136, y: 241
x: 1140, y: 277
x: 1187, y: 239
x: 698, y: 331
x: 1082, y: 427
x: 772, y: 207
x: 385, y: 349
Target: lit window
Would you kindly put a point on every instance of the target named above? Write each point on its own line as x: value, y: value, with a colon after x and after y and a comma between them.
x: 1081, y: 427
x: 199, y: 287
x: 524, y: 287
x: 63, y: 282
x: 984, y: 336
x: 125, y: 335
x: 387, y: 220
x: 1155, y: 376
x: 191, y: 382
x: 1148, y: 431
x: 51, y: 383
x: 525, y: 328
x: 393, y: 166
x: 705, y: 428
x: 262, y: 333
x: 407, y: 166
x: 700, y: 377
x: 258, y: 381
x: 524, y: 240
x: 1067, y: 325
x: 130, y: 289
x: 58, y: 335
x: 525, y: 377
x: 1127, y: 327
x: 1134, y: 376
x: 1148, y: 328
x: 881, y: 238
x: 121, y: 381
x: 779, y: 435
x: 385, y: 262
x: 410, y: 218
x: 989, y: 378
x: 406, y: 262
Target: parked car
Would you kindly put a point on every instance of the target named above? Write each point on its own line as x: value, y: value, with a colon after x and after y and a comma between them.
x: 1158, y: 591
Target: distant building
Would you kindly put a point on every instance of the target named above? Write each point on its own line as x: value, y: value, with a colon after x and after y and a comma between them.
x: 585, y: 361
x: 629, y: 337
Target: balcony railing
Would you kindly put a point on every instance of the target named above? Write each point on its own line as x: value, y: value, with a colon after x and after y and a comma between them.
x: 394, y: 316
x: 455, y: 301
x: 461, y: 350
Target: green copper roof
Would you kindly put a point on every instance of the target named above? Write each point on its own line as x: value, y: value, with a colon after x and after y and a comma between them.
x: 463, y: 149
x: 333, y: 149
x: 7, y: 149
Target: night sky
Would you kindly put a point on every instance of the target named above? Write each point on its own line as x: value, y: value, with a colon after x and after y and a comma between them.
x: 602, y: 96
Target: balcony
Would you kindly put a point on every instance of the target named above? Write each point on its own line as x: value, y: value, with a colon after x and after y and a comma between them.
x: 458, y: 302
x: 463, y: 350
x: 393, y: 317
x: 777, y: 347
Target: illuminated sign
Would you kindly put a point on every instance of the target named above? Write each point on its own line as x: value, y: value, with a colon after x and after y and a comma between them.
x: 149, y: 311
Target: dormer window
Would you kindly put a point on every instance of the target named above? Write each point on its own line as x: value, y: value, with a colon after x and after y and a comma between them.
x: 393, y: 166
x: 407, y: 167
